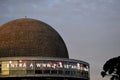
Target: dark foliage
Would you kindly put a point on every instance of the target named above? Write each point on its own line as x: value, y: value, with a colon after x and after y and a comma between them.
x: 112, y: 68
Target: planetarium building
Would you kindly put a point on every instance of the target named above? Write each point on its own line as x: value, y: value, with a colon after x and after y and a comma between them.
x: 32, y: 50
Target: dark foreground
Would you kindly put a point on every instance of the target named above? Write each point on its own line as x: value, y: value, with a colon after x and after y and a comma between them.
x: 40, y: 78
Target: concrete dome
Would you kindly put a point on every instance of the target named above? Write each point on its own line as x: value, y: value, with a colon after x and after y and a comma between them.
x: 27, y: 37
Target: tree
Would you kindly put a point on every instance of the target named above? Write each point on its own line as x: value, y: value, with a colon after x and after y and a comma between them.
x: 112, y: 68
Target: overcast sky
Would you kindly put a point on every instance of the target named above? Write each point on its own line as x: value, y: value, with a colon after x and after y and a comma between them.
x: 90, y: 28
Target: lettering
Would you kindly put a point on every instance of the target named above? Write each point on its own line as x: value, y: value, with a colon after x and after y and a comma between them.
x: 53, y: 65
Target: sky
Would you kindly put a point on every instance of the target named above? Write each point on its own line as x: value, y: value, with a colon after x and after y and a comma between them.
x: 90, y: 28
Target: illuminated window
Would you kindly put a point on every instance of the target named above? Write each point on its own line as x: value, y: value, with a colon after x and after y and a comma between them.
x: 30, y: 71
x: 4, y: 68
x: 0, y: 68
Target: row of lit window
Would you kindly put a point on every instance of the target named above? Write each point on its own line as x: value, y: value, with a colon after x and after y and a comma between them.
x: 50, y: 72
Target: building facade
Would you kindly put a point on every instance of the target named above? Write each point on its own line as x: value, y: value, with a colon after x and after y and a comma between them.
x: 32, y: 50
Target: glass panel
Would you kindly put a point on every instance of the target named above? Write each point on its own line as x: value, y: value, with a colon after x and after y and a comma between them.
x: 53, y: 71
x: 46, y: 71
x: 60, y: 72
x: 38, y: 71
x: 4, y: 68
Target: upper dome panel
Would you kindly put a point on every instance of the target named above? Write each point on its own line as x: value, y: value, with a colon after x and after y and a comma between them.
x: 29, y: 37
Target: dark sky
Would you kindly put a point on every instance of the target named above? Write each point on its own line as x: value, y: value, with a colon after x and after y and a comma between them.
x: 90, y: 28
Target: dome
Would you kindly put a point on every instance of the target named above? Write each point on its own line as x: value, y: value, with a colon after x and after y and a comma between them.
x: 27, y: 37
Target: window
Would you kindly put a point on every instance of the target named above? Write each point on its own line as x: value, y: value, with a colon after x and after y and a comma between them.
x: 30, y: 71
x: 4, y: 68
x: 67, y: 72
x: 46, y: 71
x: 60, y: 72
x: 38, y: 71
x: 53, y: 71
x: 0, y: 68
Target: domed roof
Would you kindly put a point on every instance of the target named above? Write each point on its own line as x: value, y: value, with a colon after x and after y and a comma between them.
x: 27, y: 37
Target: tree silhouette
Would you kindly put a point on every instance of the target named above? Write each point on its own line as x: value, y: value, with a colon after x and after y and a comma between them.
x: 112, y: 68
